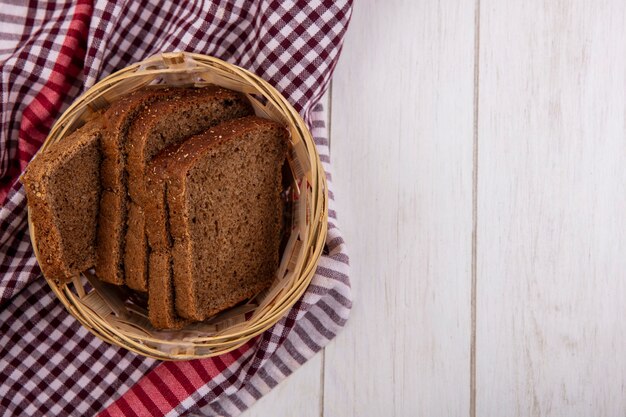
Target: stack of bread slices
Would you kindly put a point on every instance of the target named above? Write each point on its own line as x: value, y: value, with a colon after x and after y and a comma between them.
x: 171, y: 191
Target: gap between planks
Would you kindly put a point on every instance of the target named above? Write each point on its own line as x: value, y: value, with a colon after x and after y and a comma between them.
x: 329, y: 116
x: 472, y: 409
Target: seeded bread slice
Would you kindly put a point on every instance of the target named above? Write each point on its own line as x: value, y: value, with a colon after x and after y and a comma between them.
x: 223, y: 199
x: 113, y: 202
x: 161, y: 294
x: 63, y: 191
x: 184, y: 113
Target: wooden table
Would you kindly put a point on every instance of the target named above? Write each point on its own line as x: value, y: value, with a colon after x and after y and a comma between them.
x: 479, y: 150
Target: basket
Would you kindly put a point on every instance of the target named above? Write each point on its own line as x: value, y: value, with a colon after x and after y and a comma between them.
x: 114, y: 314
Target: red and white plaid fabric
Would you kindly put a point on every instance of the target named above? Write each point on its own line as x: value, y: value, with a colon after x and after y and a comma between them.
x: 51, y: 52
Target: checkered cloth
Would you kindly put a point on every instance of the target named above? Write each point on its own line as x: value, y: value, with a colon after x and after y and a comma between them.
x: 51, y: 52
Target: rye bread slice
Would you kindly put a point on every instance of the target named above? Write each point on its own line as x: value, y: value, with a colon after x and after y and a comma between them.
x: 161, y: 299
x: 225, y: 212
x: 161, y: 294
x: 184, y: 113
x: 63, y: 191
x: 113, y: 202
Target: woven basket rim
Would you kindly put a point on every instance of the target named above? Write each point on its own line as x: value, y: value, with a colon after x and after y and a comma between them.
x: 175, y: 64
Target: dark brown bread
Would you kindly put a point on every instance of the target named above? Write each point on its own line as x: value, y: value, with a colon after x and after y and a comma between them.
x: 223, y: 199
x: 186, y: 112
x: 161, y: 294
x: 113, y: 202
x: 63, y: 190
x: 161, y: 301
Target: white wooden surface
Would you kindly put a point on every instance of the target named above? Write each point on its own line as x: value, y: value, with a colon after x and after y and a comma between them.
x: 551, y: 335
x: 479, y: 150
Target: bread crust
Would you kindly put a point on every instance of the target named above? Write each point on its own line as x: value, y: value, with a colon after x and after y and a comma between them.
x: 114, y: 201
x: 52, y: 216
x: 183, y: 113
x: 173, y: 166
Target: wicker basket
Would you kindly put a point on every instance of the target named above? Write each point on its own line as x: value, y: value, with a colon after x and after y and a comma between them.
x: 115, y: 314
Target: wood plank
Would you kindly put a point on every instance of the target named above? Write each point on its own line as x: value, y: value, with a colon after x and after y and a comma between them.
x: 551, y: 209
x: 402, y: 123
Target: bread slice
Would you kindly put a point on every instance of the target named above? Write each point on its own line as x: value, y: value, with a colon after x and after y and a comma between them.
x: 161, y: 294
x: 161, y: 300
x: 113, y: 202
x: 184, y: 113
x: 63, y: 191
x: 225, y: 211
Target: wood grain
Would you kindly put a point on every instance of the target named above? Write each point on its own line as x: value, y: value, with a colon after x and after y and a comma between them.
x: 551, y: 209
x: 550, y: 204
x: 402, y: 114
